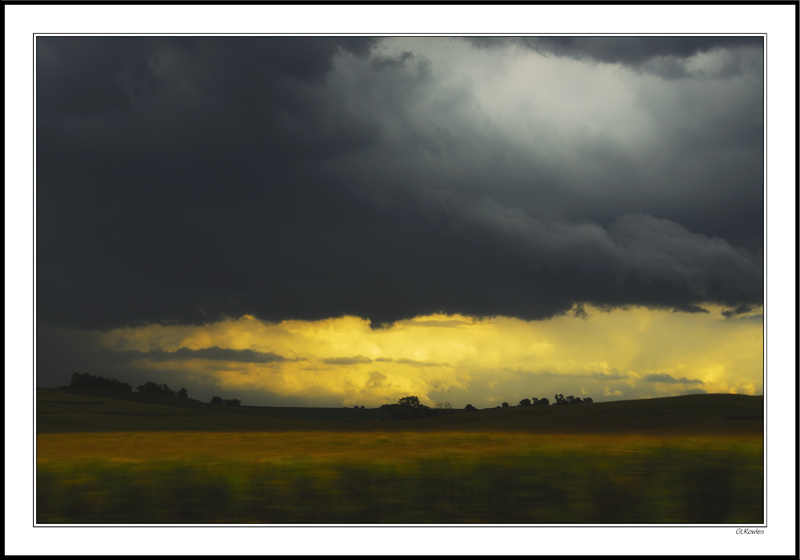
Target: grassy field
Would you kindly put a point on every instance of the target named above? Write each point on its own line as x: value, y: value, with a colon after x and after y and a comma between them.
x: 689, y: 460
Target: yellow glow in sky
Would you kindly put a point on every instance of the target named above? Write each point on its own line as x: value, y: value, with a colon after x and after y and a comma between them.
x: 622, y: 354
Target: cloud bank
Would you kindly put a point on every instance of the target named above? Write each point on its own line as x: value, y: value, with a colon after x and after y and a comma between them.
x: 183, y: 180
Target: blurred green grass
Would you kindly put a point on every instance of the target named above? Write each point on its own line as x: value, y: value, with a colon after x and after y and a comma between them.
x: 103, y: 458
x: 638, y: 482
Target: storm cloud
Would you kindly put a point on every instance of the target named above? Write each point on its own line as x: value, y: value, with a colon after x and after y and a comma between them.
x: 667, y: 378
x: 664, y: 55
x: 213, y: 353
x: 183, y: 180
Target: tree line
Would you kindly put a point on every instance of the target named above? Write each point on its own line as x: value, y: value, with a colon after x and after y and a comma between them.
x: 410, y: 407
x: 95, y: 382
x: 89, y: 381
x: 559, y: 398
x: 406, y: 408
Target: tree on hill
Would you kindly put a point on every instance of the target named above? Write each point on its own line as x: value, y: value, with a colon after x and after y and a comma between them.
x: 525, y: 402
x: 443, y: 406
x: 151, y: 387
x: 183, y: 393
x: 216, y: 400
x: 587, y: 400
x: 505, y: 405
x: 164, y: 390
x: 469, y: 407
x: 408, y: 408
x: 411, y: 402
x: 148, y: 387
x: 89, y: 381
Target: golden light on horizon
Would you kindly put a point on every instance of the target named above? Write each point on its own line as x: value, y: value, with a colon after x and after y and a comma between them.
x: 624, y: 353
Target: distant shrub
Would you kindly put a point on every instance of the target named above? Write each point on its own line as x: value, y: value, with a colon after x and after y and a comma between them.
x: 89, y: 381
x: 216, y: 400
x: 183, y: 393
x: 525, y: 402
x: 469, y: 407
x: 505, y: 405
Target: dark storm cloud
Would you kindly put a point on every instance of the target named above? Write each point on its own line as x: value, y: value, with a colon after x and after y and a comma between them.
x: 739, y: 310
x: 689, y: 309
x: 667, y: 378
x: 663, y: 55
x: 183, y: 180
x: 212, y: 353
x: 580, y: 311
x: 380, y: 62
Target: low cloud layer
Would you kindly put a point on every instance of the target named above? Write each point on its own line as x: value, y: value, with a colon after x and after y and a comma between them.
x: 667, y: 378
x: 214, y: 353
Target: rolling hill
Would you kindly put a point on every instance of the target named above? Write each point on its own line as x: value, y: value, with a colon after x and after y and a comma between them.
x: 63, y: 411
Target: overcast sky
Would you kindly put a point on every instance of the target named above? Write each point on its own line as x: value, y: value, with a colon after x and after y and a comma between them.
x: 193, y: 186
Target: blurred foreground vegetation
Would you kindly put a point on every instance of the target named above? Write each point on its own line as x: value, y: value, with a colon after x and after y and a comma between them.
x: 398, y: 478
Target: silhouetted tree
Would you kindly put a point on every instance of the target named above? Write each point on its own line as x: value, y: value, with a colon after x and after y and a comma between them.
x: 505, y: 405
x: 148, y: 387
x: 411, y: 402
x: 164, y: 390
x: 525, y: 402
x: 587, y: 400
x: 183, y: 393
x: 216, y: 400
x: 408, y: 408
x: 560, y: 399
x: 362, y: 407
x: 95, y: 382
x: 470, y: 407
x: 541, y: 402
x: 443, y: 405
